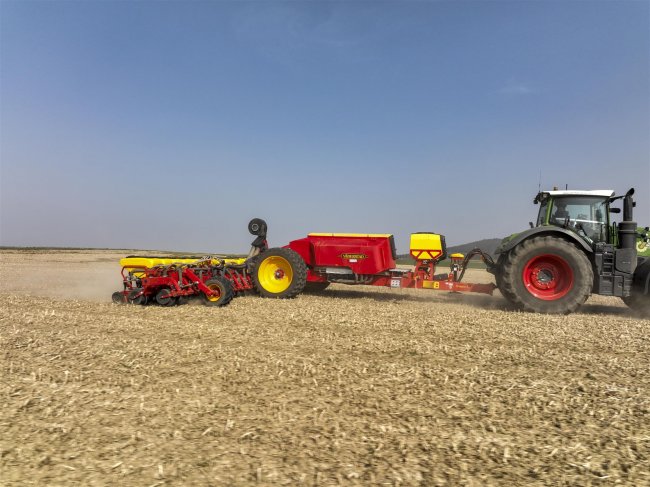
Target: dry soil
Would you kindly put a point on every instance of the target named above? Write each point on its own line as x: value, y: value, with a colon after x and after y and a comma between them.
x: 353, y: 386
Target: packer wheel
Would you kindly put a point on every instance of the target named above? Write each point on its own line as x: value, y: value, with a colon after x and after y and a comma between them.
x: 163, y: 297
x: 135, y: 299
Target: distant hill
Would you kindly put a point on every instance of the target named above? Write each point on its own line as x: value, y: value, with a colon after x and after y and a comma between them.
x: 487, y: 245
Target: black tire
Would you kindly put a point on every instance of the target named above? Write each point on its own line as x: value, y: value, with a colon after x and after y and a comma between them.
x: 279, y: 273
x: 316, y: 287
x: 118, y: 297
x: 225, y: 292
x: 639, y: 302
x: 546, y: 275
x: 257, y: 227
x: 164, y: 299
x: 498, y: 277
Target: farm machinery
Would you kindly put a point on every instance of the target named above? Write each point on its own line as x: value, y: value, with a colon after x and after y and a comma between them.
x: 574, y: 250
x: 311, y: 264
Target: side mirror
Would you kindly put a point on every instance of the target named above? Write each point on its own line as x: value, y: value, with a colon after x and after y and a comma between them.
x: 614, y: 210
x: 531, y: 225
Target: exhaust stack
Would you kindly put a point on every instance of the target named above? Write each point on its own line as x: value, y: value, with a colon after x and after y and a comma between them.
x: 627, y: 228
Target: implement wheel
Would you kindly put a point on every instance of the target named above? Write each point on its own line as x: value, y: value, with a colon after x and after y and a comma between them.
x: 222, y: 289
x: 279, y: 273
x: 546, y: 275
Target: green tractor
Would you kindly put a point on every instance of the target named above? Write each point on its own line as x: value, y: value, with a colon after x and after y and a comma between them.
x: 575, y: 250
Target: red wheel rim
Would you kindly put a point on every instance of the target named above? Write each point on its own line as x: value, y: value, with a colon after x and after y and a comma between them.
x: 548, y: 277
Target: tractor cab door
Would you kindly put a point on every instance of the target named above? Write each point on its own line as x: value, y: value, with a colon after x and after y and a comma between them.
x: 588, y: 216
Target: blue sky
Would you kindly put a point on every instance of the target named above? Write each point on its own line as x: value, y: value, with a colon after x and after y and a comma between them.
x: 168, y: 125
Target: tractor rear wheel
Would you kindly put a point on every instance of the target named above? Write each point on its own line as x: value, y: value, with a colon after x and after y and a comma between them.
x: 222, y: 289
x: 279, y: 273
x: 546, y: 275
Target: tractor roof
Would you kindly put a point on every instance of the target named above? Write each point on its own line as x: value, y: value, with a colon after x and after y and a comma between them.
x: 606, y: 193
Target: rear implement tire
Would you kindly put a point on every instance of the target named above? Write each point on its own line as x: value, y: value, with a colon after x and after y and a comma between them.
x: 224, y: 289
x: 546, y: 275
x: 118, y: 298
x: 279, y: 273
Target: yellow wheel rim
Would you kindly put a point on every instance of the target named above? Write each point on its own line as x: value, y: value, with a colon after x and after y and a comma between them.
x: 216, y: 289
x: 275, y: 274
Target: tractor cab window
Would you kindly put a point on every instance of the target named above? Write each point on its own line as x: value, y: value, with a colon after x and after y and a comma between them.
x: 583, y: 214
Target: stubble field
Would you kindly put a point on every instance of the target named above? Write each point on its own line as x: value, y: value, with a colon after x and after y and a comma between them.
x: 353, y: 386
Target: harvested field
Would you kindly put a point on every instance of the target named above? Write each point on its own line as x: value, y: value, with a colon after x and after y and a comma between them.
x: 354, y: 386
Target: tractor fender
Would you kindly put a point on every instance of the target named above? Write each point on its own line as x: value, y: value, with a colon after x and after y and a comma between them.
x: 507, y: 245
x: 641, y: 279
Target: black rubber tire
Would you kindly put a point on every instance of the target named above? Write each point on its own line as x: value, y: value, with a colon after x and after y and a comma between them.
x: 511, y: 281
x: 163, y: 298
x: 118, y: 297
x: 257, y: 227
x: 498, y: 277
x: 639, y: 303
x: 316, y: 287
x: 638, y: 300
x: 298, y: 268
x: 224, y: 286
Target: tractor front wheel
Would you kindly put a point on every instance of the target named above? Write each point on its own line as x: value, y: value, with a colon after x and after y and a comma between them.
x: 279, y: 273
x: 639, y: 303
x: 546, y: 275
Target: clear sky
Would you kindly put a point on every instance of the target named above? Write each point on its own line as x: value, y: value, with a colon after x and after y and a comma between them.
x: 168, y: 125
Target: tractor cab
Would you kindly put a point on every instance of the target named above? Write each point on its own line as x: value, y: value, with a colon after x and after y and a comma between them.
x: 584, y: 212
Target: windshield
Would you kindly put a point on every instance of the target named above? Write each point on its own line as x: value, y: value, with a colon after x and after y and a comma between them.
x: 586, y: 215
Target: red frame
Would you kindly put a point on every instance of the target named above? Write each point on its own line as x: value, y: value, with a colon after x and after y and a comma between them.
x: 377, y: 268
x: 188, y: 283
